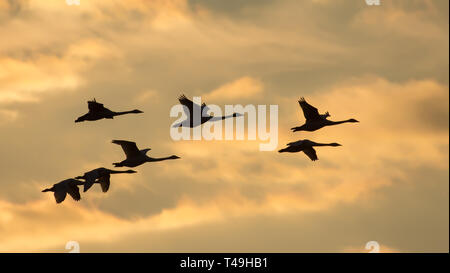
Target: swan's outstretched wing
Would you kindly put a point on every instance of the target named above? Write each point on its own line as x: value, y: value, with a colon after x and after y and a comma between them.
x: 311, y: 153
x: 310, y: 112
x: 104, y: 182
x: 188, y: 103
x: 130, y: 149
x: 295, y: 143
x: 74, y: 192
x: 95, y: 106
x: 89, y: 182
x: 190, y: 106
x: 60, y: 195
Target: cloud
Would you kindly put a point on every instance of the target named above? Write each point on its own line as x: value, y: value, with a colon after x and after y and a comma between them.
x: 24, y: 80
x: 418, y: 20
x: 242, y: 88
x: 147, y: 96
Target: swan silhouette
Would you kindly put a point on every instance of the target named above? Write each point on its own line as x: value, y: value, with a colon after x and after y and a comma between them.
x: 98, y: 111
x: 101, y: 176
x: 136, y: 157
x: 314, y: 120
x: 202, y: 110
x: 305, y: 146
x: 68, y: 186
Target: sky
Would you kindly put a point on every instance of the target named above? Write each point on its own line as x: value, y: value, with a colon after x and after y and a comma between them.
x: 387, y: 66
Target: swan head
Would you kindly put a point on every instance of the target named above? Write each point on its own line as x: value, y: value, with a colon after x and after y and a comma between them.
x: 335, y: 144
x: 352, y: 120
x: 130, y: 171
x: 136, y: 111
x: 237, y: 115
x: 174, y: 157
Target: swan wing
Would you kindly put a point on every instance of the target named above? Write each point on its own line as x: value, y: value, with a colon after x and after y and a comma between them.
x: 89, y: 182
x: 104, y: 182
x: 190, y: 106
x: 95, y: 107
x: 74, y: 192
x: 60, y: 195
x: 204, y: 110
x: 311, y: 153
x: 130, y: 149
x: 310, y: 112
x: 188, y: 103
x: 295, y: 143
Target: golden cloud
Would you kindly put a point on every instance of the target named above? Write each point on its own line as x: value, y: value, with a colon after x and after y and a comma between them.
x: 242, y: 88
x: 25, y: 80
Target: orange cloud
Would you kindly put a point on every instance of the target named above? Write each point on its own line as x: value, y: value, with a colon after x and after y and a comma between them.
x: 242, y: 88
x: 26, y: 80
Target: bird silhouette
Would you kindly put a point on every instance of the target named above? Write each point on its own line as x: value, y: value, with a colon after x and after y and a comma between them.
x: 202, y: 110
x: 68, y: 186
x: 101, y: 176
x: 305, y: 146
x: 136, y: 157
x: 98, y: 111
x: 314, y: 120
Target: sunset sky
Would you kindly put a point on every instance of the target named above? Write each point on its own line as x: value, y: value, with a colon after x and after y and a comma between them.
x: 387, y: 66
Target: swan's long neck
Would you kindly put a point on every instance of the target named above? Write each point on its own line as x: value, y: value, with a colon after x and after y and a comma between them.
x: 323, y: 144
x: 152, y: 159
x: 327, y: 144
x: 339, y: 122
x: 112, y: 171
x: 125, y: 112
x: 221, y: 117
